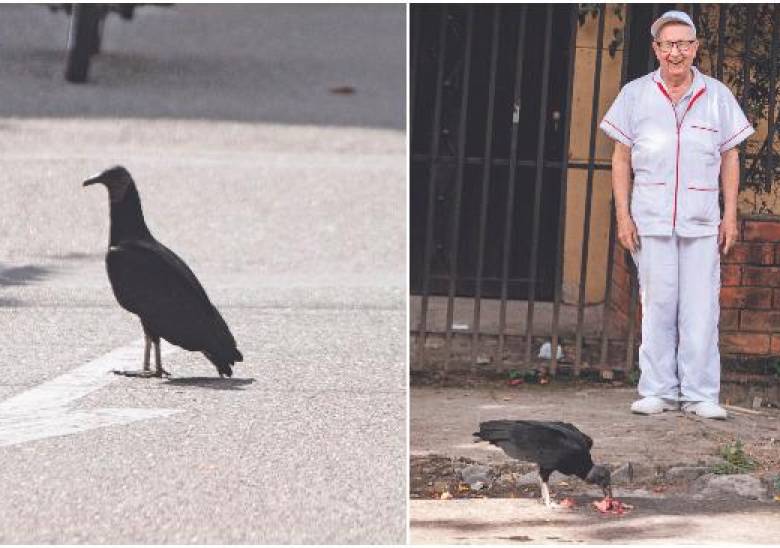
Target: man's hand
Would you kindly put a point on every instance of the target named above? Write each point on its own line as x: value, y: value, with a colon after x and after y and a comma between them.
x: 729, y: 176
x: 621, y: 190
x: 627, y: 234
x: 727, y: 234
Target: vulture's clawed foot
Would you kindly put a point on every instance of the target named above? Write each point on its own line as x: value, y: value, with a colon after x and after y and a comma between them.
x: 551, y: 505
x: 144, y: 374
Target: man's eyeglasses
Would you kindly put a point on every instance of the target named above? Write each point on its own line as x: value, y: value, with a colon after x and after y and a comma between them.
x: 682, y: 45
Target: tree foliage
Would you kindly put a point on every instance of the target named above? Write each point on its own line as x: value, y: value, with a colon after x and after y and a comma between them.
x: 753, y: 73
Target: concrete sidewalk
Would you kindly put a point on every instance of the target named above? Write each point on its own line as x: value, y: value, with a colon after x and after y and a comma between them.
x: 521, y: 521
x: 669, y: 483
x: 442, y: 420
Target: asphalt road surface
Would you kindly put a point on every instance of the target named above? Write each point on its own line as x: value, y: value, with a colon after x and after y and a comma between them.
x: 288, y: 202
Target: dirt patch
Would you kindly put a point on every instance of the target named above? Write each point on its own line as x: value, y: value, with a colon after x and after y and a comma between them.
x: 444, y: 418
x: 431, y: 476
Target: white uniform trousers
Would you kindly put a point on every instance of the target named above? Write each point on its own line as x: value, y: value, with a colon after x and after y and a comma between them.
x: 679, y: 281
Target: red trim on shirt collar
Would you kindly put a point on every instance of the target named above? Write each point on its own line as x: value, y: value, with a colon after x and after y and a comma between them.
x: 696, y: 76
x: 663, y: 90
x: 693, y: 99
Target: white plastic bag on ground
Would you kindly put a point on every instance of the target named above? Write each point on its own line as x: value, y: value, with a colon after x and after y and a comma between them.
x: 545, y: 352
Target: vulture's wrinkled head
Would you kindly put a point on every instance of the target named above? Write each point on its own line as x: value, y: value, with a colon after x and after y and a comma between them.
x: 600, y: 476
x: 116, y: 179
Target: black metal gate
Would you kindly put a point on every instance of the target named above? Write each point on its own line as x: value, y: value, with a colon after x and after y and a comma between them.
x: 487, y: 147
x: 490, y: 100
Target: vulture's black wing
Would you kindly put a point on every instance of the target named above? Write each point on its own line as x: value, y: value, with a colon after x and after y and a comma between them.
x: 576, y: 431
x: 150, y: 280
x: 547, y: 444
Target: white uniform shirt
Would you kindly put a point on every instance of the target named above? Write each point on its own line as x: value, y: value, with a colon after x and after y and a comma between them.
x: 675, y: 153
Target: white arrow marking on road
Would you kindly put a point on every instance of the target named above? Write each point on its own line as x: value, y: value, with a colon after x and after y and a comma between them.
x: 43, y: 411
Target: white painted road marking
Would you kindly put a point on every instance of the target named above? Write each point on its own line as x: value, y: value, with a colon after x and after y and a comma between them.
x: 43, y: 411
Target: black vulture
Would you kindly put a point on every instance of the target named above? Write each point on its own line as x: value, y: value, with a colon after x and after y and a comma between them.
x: 151, y: 281
x: 552, y: 445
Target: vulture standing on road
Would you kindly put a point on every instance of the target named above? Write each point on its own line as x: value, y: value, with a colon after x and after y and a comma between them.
x: 552, y: 445
x: 151, y: 281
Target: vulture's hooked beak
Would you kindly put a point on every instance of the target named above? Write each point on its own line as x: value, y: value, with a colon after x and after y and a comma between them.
x: 92, y: 180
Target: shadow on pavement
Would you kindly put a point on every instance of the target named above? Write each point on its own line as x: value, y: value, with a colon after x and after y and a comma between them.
x: 215, y: 383
x: 517, y: 538
x: 669, y: 517
x: 76, y: 256
x: 22, y: 275
x: 470, y: 525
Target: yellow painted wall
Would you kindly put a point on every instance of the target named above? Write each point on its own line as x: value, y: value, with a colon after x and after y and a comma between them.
x: 584, y: 70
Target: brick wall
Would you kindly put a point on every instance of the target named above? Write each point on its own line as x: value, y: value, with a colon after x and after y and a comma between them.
x: 749, y: 297
x: 620, y: 297
x: 750, y: 291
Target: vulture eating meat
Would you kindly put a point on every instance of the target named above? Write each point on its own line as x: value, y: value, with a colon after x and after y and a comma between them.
x: 552, y: 445
x: 151, y: 281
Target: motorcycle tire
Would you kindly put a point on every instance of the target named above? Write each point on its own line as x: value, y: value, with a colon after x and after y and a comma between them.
x: 83, y: 40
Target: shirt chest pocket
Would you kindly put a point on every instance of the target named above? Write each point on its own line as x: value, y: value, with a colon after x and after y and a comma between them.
x: 699, y: 140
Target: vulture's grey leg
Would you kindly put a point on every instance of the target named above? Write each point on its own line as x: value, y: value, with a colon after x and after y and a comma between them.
x: 158, y: 360
x: 545, y: 493
x: 146, y: 371
x: 147, y: 351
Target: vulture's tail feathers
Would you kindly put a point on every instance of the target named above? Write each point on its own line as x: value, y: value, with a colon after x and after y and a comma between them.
x: 224, y: 369
x: 223, y: 350
x: 222, y: 363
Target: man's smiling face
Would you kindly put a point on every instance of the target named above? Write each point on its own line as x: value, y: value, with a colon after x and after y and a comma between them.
x: 675, y: 63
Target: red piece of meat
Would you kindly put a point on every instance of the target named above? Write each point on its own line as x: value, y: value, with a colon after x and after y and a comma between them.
x: 568, y: 502
x: 610, y: 505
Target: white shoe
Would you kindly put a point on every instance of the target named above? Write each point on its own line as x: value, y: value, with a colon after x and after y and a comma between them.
x: 652, y: 405
x: 706, y: 409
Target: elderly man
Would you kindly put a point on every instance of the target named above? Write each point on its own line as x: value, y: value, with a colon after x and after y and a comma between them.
x: 677, y: 130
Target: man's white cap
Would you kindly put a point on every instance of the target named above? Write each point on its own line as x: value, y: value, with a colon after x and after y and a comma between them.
x: 671, y: 17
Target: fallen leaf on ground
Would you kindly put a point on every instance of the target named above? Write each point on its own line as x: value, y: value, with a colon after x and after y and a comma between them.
x: 612, y: 506
x: 446, y: 495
